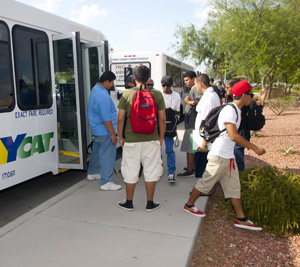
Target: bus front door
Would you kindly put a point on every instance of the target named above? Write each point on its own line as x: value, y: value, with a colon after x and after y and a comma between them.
x: 93, y: 61
x: 65, y: 51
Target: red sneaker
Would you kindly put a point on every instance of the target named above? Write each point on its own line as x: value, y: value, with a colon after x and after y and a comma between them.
x: 194, y: 211
x: 247, y: 225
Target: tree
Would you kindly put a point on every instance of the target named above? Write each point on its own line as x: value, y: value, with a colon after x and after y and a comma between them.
x: 255, y: 38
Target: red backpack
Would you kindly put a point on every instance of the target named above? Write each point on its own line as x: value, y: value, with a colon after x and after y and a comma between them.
x: 143, y: 112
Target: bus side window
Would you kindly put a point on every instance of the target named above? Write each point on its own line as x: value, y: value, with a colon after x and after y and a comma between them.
x: 32, y: 68
x: 7, y: 102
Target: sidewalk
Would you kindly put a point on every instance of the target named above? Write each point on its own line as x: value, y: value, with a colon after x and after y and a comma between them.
x: 83, y: 226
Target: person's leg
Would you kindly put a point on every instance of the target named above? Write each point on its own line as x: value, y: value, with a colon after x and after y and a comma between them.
x: 151, y: 161
x: 171, y: 158
x: 150, y: 188
x: 186, y: 147
x: 237, y: 205
x: 232, y: 190
x: 200, y: 163
x: 190, y: 161
x: 94, y: 163
x: 130, y: 167
x: 127, y: 203
x: 213, y: 173
x: 239, y: 152
x: 107, y: 156
x: 203, y: 163
x: 193, y: 197
x: 129, y: 191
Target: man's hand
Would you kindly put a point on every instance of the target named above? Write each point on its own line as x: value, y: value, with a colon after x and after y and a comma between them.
x: 202, y: 149
x: 259, y: 150
x: 193, y: 103
x: 114, y: 138
x: 121, y: 141
x: 161, y: 140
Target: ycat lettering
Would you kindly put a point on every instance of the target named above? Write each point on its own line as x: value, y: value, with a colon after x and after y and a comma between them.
x: 23, y: 146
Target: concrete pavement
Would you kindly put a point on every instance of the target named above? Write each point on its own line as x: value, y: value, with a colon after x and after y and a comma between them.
x: 83, y: 226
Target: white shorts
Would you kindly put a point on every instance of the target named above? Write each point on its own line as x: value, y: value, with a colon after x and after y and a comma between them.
x: 146, y: 153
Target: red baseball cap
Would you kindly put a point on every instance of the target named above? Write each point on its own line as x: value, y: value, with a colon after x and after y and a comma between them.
x: 240, y: 88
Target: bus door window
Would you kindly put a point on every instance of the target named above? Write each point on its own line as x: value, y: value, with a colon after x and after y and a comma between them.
x: 32, y: 68
x: 6, y: 80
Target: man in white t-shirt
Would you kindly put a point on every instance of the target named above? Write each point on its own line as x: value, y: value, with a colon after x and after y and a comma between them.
x: 172, y: 103
x: 208, y: 101
x: 221, y: 163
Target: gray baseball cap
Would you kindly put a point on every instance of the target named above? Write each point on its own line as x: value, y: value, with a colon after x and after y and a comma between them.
x: 167, y: 79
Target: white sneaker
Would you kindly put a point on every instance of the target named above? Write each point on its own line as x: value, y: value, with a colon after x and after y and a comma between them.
x: 110, y: 186
x: 92, y: 177
x: 171, y: 178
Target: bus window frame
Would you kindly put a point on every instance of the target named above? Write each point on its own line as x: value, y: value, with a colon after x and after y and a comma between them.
x: 12, y: 107
x: 34, y: 71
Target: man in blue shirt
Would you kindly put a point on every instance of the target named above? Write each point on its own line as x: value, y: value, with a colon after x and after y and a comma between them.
x: 102, y: 115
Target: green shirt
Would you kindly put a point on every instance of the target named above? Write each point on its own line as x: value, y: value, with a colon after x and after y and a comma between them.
x: 125, y: 104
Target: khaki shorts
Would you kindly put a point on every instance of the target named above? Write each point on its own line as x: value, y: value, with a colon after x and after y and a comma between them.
x: 218, y: 169
x: 147, y: 153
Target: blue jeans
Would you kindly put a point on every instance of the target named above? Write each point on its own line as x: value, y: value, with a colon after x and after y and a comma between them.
x: 200, y: 163
x: 102, y: 159
x: 171, y: 159
x: 239, y: 152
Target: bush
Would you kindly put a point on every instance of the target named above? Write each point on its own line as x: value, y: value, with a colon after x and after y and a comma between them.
x: 271, y: 198
x: 280, y: 104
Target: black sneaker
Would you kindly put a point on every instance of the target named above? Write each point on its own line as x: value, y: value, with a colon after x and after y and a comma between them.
x: 124, y: 205
x: 171, y: 178
x: 152, y: 206
x: 186, y: 169
x: 186, y: 174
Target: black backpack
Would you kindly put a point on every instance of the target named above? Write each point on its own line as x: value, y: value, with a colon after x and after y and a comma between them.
x: 171, y: 123
x: 209, y: 129
x: 190, y: 118
x: 255, y: 119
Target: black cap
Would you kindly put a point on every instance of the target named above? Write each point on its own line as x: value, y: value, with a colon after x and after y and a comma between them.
x: 167, y: 79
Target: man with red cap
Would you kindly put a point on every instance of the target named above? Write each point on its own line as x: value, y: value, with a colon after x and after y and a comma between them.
x: 221, y: 164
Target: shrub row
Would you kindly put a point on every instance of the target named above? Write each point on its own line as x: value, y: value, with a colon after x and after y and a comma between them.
x: 271, y: 198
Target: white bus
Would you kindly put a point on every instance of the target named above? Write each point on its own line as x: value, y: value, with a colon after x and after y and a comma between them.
x: 48, y: 66
x: 159, y: 64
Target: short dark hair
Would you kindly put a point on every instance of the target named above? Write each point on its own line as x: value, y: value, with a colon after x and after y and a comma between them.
x: 237, y: 97
x: 203, y: 78
x: 233, y: 81
x: 191, y: 74
x: 107, y: 76
x: 141, y: 73
x: 211, y: 79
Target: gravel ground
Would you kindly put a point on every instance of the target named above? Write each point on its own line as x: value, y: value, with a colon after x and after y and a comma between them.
x: 219, y: 243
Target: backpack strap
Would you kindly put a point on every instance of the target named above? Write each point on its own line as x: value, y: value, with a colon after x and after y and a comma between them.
x: 237, y: 115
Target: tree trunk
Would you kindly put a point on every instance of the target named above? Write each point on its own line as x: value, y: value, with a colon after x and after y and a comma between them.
x: 270, y: 85
x: 263, y: 85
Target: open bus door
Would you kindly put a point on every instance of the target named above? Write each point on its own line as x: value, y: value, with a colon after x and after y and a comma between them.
x: 94, y: 64
x: 68, y: 99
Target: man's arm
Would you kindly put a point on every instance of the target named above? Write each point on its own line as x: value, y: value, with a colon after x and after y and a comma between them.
x: 110, y: 129
x: 234, y: 136
x: 162, y: 125
x: 190, y: 102
x: 120, y: 126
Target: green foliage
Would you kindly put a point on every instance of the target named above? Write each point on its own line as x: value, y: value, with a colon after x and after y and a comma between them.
x: 288, y: 150
x: 271, y: 198
x: 281, y: 104
x: 259, y: 39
